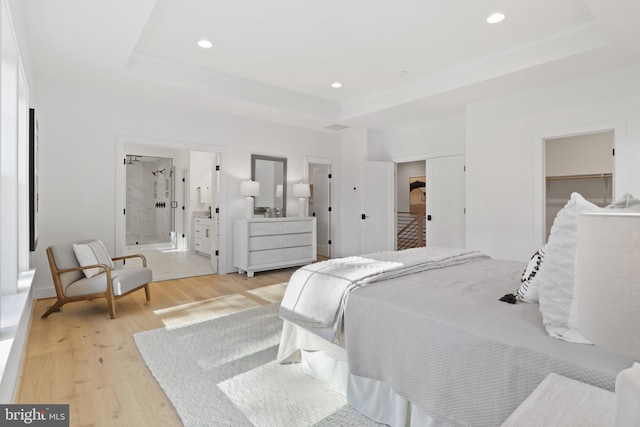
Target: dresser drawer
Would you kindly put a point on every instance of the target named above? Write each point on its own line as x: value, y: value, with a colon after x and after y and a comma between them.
x: 301, y: 252
x: 261, y: 244
x: 265, y: 242
x: 298, y: 227
x: 265, y: 257
x: 200, y: 231
x: 202, y: 221
x: 265, y: 228
x: 300, y: 239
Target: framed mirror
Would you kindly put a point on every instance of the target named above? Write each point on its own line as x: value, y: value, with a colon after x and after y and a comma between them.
x: 271, y: 173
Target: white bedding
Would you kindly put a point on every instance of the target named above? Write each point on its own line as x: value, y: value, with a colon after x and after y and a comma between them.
x: 443, y: 341
x: 317, y: 294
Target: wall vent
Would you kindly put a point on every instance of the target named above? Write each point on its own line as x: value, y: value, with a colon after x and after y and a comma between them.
x: 337, y: 127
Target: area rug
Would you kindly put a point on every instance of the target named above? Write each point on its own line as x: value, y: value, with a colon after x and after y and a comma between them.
x: 222, y: 372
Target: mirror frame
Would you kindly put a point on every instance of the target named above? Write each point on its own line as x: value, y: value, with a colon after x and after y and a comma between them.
x: 282, y: 160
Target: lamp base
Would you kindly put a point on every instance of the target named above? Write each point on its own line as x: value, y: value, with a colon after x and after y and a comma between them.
x: 249, y: 207
x: 302, y: 206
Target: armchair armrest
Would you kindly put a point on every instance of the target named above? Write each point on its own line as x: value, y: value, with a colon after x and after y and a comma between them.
x: 142, y: 257
x: 86, y: 267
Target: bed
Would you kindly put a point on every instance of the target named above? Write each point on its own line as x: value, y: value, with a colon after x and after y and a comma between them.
x: 435, y: 346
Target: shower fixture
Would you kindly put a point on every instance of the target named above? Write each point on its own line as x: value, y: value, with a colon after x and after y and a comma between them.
x: 155, y: 173
x: 131, y: 159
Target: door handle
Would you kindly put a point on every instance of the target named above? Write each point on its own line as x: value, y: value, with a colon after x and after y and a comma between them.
x: 364, y: 216
x: 428, y: 217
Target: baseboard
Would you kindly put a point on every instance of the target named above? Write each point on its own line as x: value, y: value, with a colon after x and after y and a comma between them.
x: 42, y: 293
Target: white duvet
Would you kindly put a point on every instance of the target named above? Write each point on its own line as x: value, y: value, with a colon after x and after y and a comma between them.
x: 317, y: 294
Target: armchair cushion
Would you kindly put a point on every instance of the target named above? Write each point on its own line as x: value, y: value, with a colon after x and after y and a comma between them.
x: 123, y: 280
x: 65, y: 258
x: 92, y: 253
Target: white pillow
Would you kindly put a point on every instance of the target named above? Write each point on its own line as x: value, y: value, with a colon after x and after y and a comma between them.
x: 626, y: 203
x: 92, y: 253
x: 558, y: 304
x: 555, y: 277
x: 529, y: 281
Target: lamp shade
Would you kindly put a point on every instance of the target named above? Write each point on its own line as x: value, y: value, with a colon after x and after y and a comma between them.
x: 250, y: 188
x: 301, y: 190
x: 279, y: 190
x: 607, y: 281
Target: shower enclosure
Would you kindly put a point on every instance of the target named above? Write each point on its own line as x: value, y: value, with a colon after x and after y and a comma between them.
x: 150, y: 209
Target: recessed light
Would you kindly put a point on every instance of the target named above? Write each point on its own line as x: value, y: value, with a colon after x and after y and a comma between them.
x: 205, y: 44
x: 496, y: 17
x: 336, y: 85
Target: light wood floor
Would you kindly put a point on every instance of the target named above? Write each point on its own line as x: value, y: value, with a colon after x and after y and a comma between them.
x: 81, y: 357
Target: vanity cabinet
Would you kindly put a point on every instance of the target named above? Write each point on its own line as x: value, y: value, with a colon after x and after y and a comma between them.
x: 202, y: 229
x: 261, y: 244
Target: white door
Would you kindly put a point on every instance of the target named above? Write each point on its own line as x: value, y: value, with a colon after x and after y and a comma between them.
x: 321, y: 205
x: 377, y: 231
x: 446, y: 202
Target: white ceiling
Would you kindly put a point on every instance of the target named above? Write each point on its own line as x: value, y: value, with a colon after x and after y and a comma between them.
x: 399, y: 61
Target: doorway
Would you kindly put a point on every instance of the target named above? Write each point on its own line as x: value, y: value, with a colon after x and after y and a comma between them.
x: 320, y: 180
x: 581, y: 163
x: 176, y: 259
x: 411, y: 201
x: 430, y: 196
x: 150, y: 188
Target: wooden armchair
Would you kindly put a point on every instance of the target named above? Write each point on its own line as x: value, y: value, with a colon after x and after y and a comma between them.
x: 71, y: 284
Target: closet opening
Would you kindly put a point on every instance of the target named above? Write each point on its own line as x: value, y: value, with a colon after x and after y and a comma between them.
x: 581, y: 163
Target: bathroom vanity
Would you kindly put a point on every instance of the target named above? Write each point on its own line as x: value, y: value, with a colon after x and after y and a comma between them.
x: 202, y: 229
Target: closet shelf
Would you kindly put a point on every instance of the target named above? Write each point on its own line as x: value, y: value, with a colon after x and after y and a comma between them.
x: 589, y: 176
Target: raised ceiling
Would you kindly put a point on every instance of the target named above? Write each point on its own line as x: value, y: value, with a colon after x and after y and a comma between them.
x: 399, y: 61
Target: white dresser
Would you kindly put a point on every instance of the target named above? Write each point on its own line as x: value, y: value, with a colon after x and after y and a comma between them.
x: 202, y: 229
x: 261, y: 244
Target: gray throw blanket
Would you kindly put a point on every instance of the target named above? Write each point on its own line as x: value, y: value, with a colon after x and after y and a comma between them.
x: 317, y: 294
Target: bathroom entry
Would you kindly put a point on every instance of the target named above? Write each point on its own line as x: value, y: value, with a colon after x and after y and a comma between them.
x: 150, y: 209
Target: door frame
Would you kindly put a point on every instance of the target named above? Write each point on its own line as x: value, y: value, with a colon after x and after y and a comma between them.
x: 539, y: 182
x: 121, y: 188
x: 333, y: 200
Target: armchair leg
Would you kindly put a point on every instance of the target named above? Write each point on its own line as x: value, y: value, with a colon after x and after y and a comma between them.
x: 55, y: 307
x: 147, y: 292
x: 112, y: 306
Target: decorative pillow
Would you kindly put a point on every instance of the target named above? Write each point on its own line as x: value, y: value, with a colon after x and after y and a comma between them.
x: 558, y: 304
x: 555, y: 276
x: 626, y: 203
x: 528, y: 291
x: 92, y: 253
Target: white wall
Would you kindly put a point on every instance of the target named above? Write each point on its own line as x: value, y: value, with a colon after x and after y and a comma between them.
x: 504, y: 154
x: 422, y: 141
x: 353, y: 152
x: 79, y: 125
x: 200, y: 174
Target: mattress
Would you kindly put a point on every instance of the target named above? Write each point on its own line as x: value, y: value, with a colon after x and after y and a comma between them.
x: 442, y: 340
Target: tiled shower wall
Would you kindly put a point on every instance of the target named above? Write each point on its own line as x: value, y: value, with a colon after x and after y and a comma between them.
x: 146, y: 222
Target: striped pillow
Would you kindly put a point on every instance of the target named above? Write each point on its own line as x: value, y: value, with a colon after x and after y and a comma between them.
x: 528, y: 291
x: 92, y: 253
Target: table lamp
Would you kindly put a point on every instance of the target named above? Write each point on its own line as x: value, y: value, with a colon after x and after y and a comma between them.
x: 302, y: 192
x: 250, y: 189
